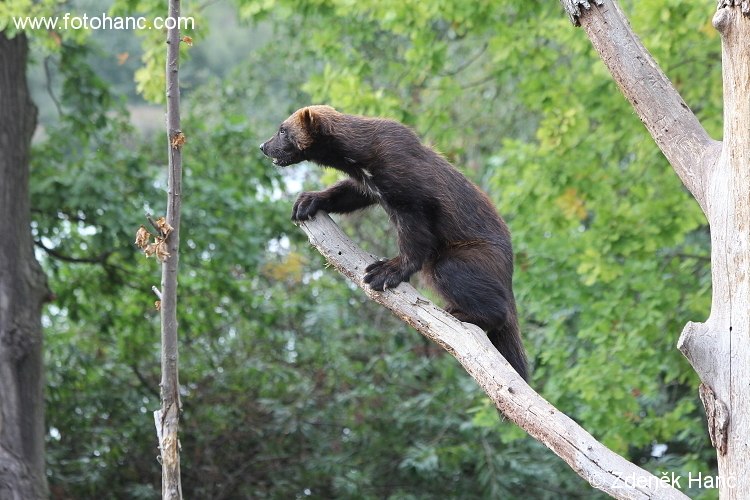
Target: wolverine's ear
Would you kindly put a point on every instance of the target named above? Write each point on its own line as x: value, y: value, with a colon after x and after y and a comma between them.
x: 307, y: 118
x: 317, y: 119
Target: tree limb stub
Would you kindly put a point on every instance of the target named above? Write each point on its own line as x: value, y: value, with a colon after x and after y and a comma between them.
x: 669, y: 120
x: 601, y: 467
x: 697, y: 343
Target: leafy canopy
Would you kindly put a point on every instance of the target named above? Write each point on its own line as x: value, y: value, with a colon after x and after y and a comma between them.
x: 293, y: 383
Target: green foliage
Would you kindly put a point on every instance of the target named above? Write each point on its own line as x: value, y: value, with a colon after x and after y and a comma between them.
x: 293, y: 383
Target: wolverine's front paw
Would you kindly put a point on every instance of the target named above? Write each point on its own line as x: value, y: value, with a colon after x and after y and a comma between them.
x: 306, y: 206
x: 385, y: 274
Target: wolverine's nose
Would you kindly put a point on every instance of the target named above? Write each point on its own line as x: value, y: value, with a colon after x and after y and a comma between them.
x: 262, y: 145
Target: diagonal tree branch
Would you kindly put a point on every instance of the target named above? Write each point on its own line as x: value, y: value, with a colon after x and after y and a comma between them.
x: 598, y: 465
x: 674, y: 127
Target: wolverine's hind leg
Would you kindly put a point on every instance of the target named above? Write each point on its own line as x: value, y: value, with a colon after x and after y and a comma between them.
x: 473, y: 294
x: 482, y: 295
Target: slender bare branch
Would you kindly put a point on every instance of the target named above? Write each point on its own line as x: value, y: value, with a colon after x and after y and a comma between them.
x: 598, y: 465
x: 674, y: 127
x: 167, y: 418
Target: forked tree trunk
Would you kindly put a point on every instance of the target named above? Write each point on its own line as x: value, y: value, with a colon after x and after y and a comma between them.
x: 23, y: 290
x: 718, y: 176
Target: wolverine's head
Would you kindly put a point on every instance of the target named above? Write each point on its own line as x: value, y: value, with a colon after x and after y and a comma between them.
x: 298, y: 132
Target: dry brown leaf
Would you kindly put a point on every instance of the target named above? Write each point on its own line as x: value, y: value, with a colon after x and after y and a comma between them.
x: 163, y: 226
x: 161, y: 250
x: 177, y: 140
x: 157, y: 305
x: 141, y: 237
x: 188, y: 40
x: 150, y: 249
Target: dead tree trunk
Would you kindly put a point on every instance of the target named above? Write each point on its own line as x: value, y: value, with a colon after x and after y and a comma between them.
x: 719, y: 349
x: 718, y: 176
x: 23, y: 290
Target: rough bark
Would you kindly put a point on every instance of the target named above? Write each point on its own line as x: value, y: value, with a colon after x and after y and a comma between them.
x: 574, y: 7
x: 167, y: 419
x: 719, y: 349
x: 717, y: 175
x: 23, y: 290
x: 601, y: 467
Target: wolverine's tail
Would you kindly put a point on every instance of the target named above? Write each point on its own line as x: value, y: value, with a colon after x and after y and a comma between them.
x: 507, y: 340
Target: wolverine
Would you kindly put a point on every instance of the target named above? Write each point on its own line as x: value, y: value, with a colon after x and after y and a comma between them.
x: 447, y: 227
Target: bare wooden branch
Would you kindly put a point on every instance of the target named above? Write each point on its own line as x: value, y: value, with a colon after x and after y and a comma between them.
x: 151, y: 221
x: 167, y: 418
x: 601, y: 467
x: 674, y: 127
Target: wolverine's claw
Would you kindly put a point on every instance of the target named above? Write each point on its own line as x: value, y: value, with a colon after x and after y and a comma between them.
x: 383, y: 274
x: 373, y: 266
x: 305, y: 207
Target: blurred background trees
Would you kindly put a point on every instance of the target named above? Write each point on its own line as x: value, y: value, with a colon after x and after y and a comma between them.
x: 294, y: 384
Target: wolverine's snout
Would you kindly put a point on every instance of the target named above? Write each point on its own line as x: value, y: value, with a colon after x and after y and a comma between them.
x: 263, y: 147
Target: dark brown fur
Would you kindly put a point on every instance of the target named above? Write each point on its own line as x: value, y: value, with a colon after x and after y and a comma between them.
x: 447, y: 227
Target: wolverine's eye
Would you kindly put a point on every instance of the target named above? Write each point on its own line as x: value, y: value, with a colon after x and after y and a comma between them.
x: 282, y: 131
